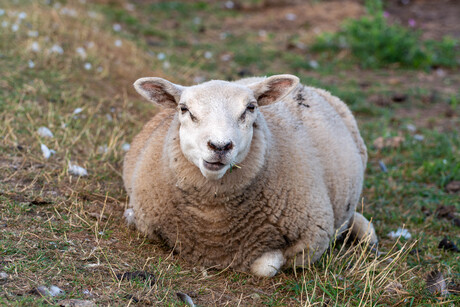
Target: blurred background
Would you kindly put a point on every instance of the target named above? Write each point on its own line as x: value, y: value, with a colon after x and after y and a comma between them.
x: 68, y: 113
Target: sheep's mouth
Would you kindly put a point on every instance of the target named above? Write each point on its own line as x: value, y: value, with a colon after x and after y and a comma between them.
x: 213, y: 166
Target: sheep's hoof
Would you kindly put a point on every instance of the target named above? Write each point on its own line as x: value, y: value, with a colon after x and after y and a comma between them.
x: 268, y: 264
x: 362, y: 229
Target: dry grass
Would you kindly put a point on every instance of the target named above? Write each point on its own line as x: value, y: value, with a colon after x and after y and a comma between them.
x: 60, y: 229
x: 78, y: 245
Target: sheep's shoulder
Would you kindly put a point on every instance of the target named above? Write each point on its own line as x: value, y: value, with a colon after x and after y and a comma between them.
x: 161, y: 119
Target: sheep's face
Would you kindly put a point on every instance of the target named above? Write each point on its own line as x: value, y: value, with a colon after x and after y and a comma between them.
x: 216, y: 128
x: 217, y: 117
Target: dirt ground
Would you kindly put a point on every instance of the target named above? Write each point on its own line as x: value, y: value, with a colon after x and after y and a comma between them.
x: 434, y: 18
x: 304, y: 19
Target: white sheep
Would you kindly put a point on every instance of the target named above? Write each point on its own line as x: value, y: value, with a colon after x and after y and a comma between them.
x: 254, y: 174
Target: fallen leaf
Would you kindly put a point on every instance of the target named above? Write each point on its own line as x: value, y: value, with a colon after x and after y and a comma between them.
x: 446, y: 211
x: 436, y: 283
x: 453, y: 187
x: 449, y: 213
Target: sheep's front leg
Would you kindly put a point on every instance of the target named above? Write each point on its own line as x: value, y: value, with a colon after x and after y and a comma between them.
x: 268, y: 264
x: 362, y: 229
x: 310, y: 246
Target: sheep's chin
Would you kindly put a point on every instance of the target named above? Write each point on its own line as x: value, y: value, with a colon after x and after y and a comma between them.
x: 213, y: 175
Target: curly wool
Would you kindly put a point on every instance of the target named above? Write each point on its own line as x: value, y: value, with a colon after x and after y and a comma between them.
x: 299, y: 184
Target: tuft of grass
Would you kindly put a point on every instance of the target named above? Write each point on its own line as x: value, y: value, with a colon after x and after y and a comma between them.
x: 374, y: 43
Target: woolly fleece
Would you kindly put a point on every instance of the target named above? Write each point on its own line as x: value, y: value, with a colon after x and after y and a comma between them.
x: 300, y: 183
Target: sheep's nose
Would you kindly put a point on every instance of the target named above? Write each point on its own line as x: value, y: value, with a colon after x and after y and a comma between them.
x: 220, y: 147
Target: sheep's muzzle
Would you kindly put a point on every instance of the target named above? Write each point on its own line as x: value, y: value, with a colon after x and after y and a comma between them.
x: 213, y: 166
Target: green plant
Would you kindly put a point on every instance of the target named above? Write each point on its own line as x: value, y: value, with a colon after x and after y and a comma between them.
x: 375, y: 43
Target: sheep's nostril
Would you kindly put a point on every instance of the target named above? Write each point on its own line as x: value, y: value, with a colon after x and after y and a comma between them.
x: 219, y: 146
x: 212, y: 146
x: 228, y: 146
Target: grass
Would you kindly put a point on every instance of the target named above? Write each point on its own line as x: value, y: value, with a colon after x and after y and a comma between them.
x: 374, y: 43
x: 68, y: 231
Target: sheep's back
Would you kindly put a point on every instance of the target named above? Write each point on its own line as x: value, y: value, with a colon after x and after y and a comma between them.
x: 338, y: 145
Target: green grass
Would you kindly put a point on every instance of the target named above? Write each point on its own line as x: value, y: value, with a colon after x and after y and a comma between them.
x: 80, y: 223
x: 374, y: 43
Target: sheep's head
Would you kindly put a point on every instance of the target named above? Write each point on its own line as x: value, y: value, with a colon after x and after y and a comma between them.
x: 216, y: 117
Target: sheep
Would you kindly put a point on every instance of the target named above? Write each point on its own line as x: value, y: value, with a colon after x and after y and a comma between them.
x: 256, y: 174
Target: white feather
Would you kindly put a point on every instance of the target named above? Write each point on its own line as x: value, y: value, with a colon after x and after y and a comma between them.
x: 45, y: 150
x: 77, y: 170
x: 45, y: 132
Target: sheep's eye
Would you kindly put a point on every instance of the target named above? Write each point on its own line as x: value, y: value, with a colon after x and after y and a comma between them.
x: 183, y: 109
x: 251, y: 107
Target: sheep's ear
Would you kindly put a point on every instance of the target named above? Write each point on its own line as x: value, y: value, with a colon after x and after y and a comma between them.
x: 159, y: 91
x: 273, y: 88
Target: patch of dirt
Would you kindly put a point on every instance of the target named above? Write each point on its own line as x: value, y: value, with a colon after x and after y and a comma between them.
x: 434, y: 18
x: 306, y: 19
x: 432, y: 117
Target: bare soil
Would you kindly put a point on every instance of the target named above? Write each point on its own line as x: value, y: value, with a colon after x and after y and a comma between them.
x: 434, y: 18
x: 304, y: 19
